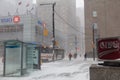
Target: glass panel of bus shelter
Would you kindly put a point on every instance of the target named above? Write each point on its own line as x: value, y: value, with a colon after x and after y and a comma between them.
x: 1, y: 57
x: 30, y: 50
x: 33, y: 57
x: 36, y: 57
x: 24, y: 59
x: 12, y: 58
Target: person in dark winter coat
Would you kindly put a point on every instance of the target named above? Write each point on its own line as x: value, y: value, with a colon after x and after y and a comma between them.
x: 70, y: 56
x: 85, y: 56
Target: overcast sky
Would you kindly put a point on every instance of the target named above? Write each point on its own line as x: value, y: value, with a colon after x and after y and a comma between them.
x: 11, y: 6
x: 79, y: 3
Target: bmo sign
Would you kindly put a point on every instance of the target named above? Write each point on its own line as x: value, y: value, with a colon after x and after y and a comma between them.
x: 14, y: 19
x: 108, y: 48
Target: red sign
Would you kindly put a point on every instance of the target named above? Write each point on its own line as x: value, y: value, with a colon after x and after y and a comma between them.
x: 108, y: 48
x: 16, y: 19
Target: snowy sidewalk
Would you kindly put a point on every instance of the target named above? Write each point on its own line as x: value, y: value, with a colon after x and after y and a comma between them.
x: 76, y: 69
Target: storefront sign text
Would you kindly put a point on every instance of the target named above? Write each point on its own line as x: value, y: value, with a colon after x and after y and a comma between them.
x: 6, y: 20
x: 15, y: 19
x: 108, y: 48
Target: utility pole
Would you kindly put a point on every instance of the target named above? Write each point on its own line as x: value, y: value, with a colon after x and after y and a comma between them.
x: 53, y: 19
x: 53, y: 6
x: 53, y: 23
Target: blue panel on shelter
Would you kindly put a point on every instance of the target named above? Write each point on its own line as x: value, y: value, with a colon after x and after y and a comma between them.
x: 12, y: 46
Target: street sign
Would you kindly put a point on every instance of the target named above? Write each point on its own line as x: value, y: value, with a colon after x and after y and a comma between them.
x: 108, y: 48
x: 6, y: 20
x: 45, y: 32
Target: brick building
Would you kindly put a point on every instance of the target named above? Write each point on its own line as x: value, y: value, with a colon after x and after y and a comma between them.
x: 104, y: 16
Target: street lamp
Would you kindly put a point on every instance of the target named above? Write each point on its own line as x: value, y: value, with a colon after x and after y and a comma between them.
x: 53, y: 23
x: 94, y: 30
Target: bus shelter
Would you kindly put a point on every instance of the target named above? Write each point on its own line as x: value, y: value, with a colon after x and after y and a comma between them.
x: 33, y: 56
x: 19, y: 57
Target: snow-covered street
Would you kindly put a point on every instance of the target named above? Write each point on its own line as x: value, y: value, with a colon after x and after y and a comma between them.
x: 76, y: 69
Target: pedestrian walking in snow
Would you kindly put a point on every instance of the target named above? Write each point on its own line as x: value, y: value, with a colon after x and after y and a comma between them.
x: 70, y: 56
x: 85, y: 56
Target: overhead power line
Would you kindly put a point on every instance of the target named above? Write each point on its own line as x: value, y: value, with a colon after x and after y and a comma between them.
x: 70, y: 25
x: 66, y: 21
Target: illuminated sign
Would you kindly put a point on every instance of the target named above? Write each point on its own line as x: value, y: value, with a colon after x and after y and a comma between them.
x: 15, y: 19
x: 6, y: 20
x: 108, y: 48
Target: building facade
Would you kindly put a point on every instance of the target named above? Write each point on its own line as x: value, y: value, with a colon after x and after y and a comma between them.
x: 80, y: 24
x: 101, y: 19
x: 65, y: 17
x: 20, y: 27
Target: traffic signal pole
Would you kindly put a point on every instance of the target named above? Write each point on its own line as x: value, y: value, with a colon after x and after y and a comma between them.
x: 53, y: 6
x: 53, y: 23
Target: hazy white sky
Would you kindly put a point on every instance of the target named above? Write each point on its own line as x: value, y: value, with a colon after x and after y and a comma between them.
x: 5, y: 8
x: 79, y: 3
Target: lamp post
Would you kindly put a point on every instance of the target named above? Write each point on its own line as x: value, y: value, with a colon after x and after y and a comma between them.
x: 94, y: 30
x: 53, y: 23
